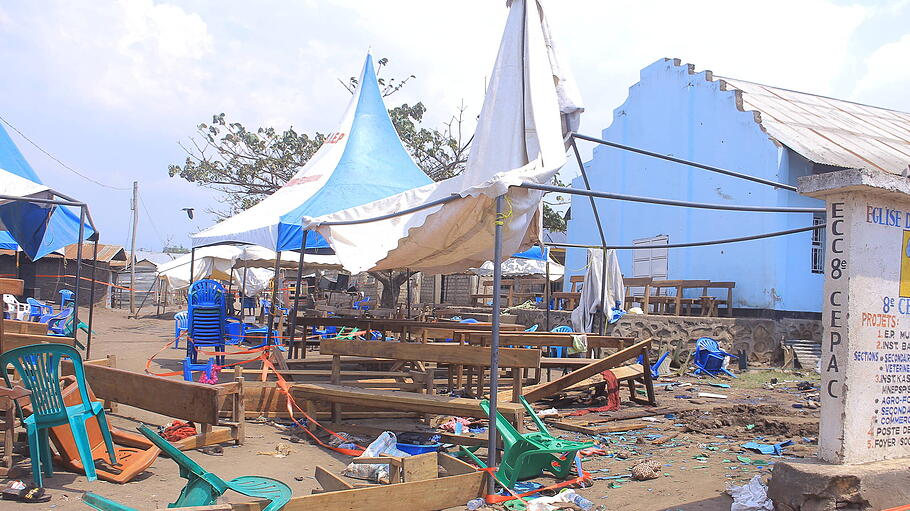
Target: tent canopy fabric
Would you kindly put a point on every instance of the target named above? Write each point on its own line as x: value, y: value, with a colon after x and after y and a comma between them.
x: 216, y: 262
x: 38, y: 229
x: 7, y: 242
x: 363, y: 160
x: 530, y: 103
x: 517, y: 266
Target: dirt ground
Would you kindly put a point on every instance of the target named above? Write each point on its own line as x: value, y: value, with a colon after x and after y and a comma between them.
x: 697, y: 464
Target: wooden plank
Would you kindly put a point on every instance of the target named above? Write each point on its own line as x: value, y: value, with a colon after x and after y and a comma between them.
x: 633, y: 414
x: 543, y: 390
x: 595, y: 430
x: 427, y: 495
x: 12, y: 340
x: 217, y: 435
x: 454, y: 466
x: 449, y: 438
x: 419, y: 467
x: 440, y: 353
x: 330, y: 481
x: 190, y: 401
x: 11, y: 286
x: 23, y: 327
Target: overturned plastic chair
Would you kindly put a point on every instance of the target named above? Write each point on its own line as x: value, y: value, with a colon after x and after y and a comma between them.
x: 38, y: 365
x: 203, y: 487
x: 529, y: 455
x: 709, y: 358
x: 37, y: 309
x: 67, y: 298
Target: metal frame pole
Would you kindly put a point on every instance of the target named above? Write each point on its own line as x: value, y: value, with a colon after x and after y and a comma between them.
x: 268, y: 331
x: 494, y: 343
x: 78, y: 270
x: 192, y: 265
x: 299, y: 290
x: 408, y: 298
x: 547, y: 290
x: 91, y: 299
x: 603, y: 238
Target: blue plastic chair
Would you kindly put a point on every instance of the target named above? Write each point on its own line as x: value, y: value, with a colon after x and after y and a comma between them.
x: 360, y: 305
x: 709, y: 358
x: 532, y: 328
x: 181, y: 324
x: 56, y: 323
x: 206, y: 318
x: 247, y: 302
x: 67, y: 298
x: 37, y: 309
x: 468, y: 320
x: 38, y: 366
x: 560, y: 351
x: 655, y: 373
x: 189, y: 367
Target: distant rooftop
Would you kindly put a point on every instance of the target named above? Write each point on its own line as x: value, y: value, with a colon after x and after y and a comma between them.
x: 826, y: 130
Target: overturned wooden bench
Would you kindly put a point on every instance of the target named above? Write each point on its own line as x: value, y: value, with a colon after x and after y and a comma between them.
x: 419, y: 354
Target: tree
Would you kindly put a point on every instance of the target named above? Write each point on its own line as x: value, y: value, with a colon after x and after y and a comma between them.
x: 247, y: 165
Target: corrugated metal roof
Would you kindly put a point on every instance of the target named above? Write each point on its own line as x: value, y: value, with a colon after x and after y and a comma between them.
x: 106, y: 253
x: 827, y: 130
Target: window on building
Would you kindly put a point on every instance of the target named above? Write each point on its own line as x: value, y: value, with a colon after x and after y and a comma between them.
x: 650, y: 262
x: 818, y: 244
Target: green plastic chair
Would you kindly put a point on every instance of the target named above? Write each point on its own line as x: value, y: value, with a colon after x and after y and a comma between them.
x: 203, y: 488
x: 529, y: 455
x: 39, y: 367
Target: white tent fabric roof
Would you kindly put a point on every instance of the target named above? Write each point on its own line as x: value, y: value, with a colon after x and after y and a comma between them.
x: 530, y: 103
x: 516, y: 266
x: 218, y: 261
x: 17, y: 186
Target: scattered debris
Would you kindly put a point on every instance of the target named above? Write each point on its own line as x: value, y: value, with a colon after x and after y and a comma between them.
x: 712, y: 396
x: 282, y: 450
x: 752, y: 496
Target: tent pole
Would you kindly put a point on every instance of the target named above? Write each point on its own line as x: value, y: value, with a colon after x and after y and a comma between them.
x: 600, y: 230
x: 494, y: 343
x: 192, y: 264
x: 78, y: 269
x: 408, y: 270
x: 243, y: 291
x: 298, y: 291
x: 91, y: 299
x: 546, y: 288
x: 268, y: 332
x: 603, y: 290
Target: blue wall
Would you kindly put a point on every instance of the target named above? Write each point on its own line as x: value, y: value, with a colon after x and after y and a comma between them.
x: 672, y: 111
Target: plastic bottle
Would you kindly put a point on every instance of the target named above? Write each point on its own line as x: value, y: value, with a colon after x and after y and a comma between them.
x: 583, y: 503
x: 474, y: 504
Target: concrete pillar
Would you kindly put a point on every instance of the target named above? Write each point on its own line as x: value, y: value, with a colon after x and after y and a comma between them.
x: 865, y: 368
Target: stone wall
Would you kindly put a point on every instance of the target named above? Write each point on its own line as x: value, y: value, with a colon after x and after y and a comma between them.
x: 759, y: 338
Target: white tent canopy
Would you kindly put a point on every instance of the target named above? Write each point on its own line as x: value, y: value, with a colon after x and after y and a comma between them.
x: 17, y: 186
x: 516, y: 267
x: 217, y: 262
x: 531, y: 102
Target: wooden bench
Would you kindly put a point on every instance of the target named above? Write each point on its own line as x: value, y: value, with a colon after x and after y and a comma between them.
x: 418, y: 353
x: 188, y: 401
x: 632, y: 298
x: 573, y: 296
x: 679, y: 302
x: 507, y: 290
x: 710, y: 303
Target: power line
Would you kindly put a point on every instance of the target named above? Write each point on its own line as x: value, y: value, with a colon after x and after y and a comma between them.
x: 64, y: 165
x: 151, y: 221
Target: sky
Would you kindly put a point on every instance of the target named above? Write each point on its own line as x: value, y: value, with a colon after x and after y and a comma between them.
x: 112, y: 88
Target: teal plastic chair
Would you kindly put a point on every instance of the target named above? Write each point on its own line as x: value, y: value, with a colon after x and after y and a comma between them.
x: 39, y: 367
x: 529, y: 455
x: 203, y: 488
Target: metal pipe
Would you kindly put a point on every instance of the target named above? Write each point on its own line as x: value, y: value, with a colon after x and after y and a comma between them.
x: 299, y: 290
x: 696, y: 243
x: 78, y: 270
x: 91, y: 299
x: 192, y: 264
x: 719, y: 170
x: 669, y: 202
x: 603, y: 290
x: 546, y: 288
x: 408, y: 298
x: 494, y: 342
x: 403, y: 212
x: 268, y: 331
x: 54, y: 202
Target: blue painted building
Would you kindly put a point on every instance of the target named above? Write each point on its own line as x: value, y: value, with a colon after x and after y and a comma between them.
x: 763, y: 131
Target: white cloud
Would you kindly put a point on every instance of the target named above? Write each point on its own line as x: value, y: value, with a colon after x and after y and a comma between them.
x: 887, y: 77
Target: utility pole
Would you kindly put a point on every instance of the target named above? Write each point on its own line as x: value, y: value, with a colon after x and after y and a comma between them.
x: 133, y: 249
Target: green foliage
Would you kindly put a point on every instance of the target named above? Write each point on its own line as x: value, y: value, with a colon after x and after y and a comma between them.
x: 553, y: 220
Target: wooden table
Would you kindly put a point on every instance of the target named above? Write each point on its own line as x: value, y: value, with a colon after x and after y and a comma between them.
x: 8, y: 397
x: 662, y: 302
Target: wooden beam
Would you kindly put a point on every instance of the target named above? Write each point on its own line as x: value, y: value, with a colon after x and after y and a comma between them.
x: 12, y: 286
x: 330, y: 481
x: 440, y: 353
x: 548, y: 389
x: 427, y: 495
x: 13, y: 340
x: 419, y: 467
x: 596, y: 430
x: 215, y: 436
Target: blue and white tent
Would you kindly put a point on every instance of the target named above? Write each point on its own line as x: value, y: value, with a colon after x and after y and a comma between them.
x: 38, y: 229
x: 362, y: 161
